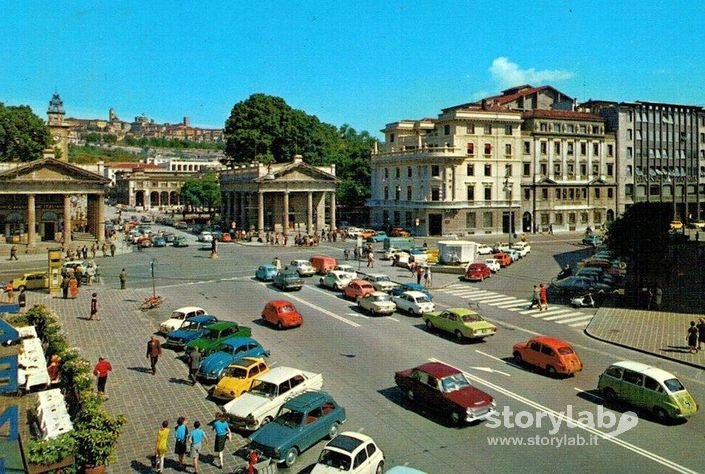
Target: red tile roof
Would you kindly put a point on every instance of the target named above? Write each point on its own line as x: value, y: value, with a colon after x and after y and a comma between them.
x: 561, y: 114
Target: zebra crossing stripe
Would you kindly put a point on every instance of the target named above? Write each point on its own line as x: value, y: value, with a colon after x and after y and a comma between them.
x: 581, y: 324
x: 495, y: 299
x: 479, y: 298
x: 551, y: 312
x: 515, y: 305
x: 579, y: 318
x: 530, y: 311
x: 562, y: 316
x: 511, y: 301
x: 458, y: 291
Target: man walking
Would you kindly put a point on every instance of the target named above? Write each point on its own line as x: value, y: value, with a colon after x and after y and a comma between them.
x: 123, y: 279
x: 154, y: 350
x: 13, y: 252
x: 94, y: 307
x: 101, y: 370
x: 112, y: 249
x: 194, y: 362
x: 535, y: 297
x: 370, y: 259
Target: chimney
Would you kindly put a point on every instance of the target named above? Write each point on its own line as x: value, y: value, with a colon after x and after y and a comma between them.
x: 484, y: 104
x: 298, y: 158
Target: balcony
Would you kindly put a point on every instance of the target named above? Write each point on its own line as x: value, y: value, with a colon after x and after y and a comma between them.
x: 426, y: 152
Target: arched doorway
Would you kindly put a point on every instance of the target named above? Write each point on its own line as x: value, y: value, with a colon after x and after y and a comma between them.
x: 14, y: 224
x: 610, y: 215
x: 526, y: 222
x: 139, y: 198
x: 164, y: 198
x: 173, y: 198
x: 153, y: 199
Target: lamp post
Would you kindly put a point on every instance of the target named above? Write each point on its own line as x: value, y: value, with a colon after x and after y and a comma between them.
x: 154, y: 288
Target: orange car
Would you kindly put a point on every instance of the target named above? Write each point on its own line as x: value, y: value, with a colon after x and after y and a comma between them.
x: 504, y: 259
x: 367, y: 233
x: 399, y: 232
x: 282, y: 314
x: 555, y: 356
x: 357, y: 288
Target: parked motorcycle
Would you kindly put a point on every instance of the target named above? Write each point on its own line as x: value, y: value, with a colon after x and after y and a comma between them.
x: 585, y: 301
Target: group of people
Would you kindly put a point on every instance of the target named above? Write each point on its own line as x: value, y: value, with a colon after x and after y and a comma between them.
x: 539, y: 297
x: 696, y: 335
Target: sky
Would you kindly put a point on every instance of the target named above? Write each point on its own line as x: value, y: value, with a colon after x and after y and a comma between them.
x: 360, y: 63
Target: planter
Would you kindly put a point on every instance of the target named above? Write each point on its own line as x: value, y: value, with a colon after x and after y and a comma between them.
x: 100, y: 469
x: 42, y: 468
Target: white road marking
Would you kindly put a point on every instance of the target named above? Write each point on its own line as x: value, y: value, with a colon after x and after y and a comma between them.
x: 324, y: 311
x: 579, y: 318
x: 495, y: 299
x: 357, y: 315
x: 511, y: 301
x: 564, y: 315
x: 487, y: 369
x: 579, y: 424
x: 393, y: 319
x: 581, y: 324
x: 515, y: 305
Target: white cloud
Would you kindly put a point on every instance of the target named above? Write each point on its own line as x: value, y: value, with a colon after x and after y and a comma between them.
x: 509, y: 74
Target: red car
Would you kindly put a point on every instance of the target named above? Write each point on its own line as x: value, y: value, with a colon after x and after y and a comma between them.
x: 358, y: 288
x: 399, y: 232
x: 445, y: 390
x: 504, y: 259
x: 477, y: 272
x: 282, y: 314
x: 553, y: 355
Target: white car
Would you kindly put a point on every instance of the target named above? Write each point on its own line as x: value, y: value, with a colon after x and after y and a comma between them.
x: 419, y: 258
x: 414, y: 302
x: 267, y: 394
x: 523, y: 248
x: 501, y: 247
x: 335, y: 280
x: 353, y: 231
x: 377, y: 303
x: 302, y: 267
x: 205, y: 236
x: 493, y: 263
x: 484, y: 249
x: 349, y: 269
x: 350, y: 452
x: 389, y: 253
x: 381, y: 282
x: 178, y: 317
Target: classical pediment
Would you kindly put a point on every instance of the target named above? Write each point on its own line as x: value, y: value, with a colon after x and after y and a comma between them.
x: 50, y: 170
x: 298, y: 172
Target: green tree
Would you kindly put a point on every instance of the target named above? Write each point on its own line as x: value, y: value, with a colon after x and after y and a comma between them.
x: 23, y: 135
x: 202, y: 191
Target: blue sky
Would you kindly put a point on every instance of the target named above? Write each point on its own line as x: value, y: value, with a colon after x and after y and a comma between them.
x: 364, y: 63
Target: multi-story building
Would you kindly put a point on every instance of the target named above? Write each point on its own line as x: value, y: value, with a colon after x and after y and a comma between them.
x: 661, y: 150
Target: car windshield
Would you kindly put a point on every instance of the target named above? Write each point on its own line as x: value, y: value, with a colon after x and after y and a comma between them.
x: 382, y: 278
x: 177, y: 315
x: 382, y: 298
x: 236, y: 372
x: 674, y: 385
x: 454, y: 382
x: 565, y: 350
x: 288, y: 417
x: 423, y: 299
x: 266, y: 389
x: 212, y: 335
x: 286, y: 309
x: 471, y: 318
x: 335, y: 459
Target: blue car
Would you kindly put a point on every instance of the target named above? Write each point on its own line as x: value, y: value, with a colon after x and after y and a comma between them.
x: 378, y: 237
x: 190, y: 330
x: 266, y: 272
x: 232, y: 350
x: 398, y: 290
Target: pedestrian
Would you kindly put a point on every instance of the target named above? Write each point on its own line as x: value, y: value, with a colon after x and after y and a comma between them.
x: 649, y: 298
x: 54, y: 369
x: 101, y: 370
x: 154, y: 350
x: 84, y: 251
x: 90, y: 274
x: 79, y: 275
x: 94, y: 307
x: 550, y: 229
x: 370, y: 259
x: 701, y: 333
x: 419, y: 273
x: 180, y: 437
x: 65, y: 286
x: 197, y: 437
x: 94, y: 248
x: 123, y: 279
x: 692, y: 337
x: 222, y: 434
x: 104, y: 249
x: 161, y: 445
x: 194, y: 362
x: 543, y: 297
x: 428, y: 277
x: 535, y: 297
x: 10, y: 290
x: 277, y: 264
x: 13, y: 252
x: 658, y: 297
x: 73, y: 286
x: 346, y: 254
x: 22, y: 299
x: 112, y: 249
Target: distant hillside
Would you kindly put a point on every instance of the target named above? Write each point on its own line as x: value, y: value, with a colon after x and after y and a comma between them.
x: 89, y: 154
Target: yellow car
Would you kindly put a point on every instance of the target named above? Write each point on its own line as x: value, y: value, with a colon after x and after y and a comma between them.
x: 238, y: 378
x: 31, y: 281
x: 676, y: 225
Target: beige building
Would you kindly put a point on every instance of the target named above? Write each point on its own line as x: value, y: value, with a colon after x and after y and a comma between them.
x: 146, y: 186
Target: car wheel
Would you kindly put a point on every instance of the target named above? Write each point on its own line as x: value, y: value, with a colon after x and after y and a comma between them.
x: 410, y: 395
x: 455, y: 417
x: 380, y: 468
x: 429, y: 325
x: 291, y: 457
x: 458, y: 336
x: 280, y: 326
x: 265, y: 421
x: 661, y: 415
x: 517, y: 358
x: 609, y: 395
x: 333, y: 431
x: 551, y: 370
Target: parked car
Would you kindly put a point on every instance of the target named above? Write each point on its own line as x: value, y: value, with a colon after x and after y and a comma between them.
x: 553, y: 355
x: 381, y: 282
x: 358, y: 288
x: 178, y: 317
x: 159, y: 241
x: 180, y: 242
x: 181, y: 225
x: 260, y: 405
x: 405, y: 259
x: 365, y: 234
x: 190, y: 330
x: 266, y: 272
x: 484, y: 249
x: 379, y: 236
x: 399, y: 232
x: 282, y: 314
x: 575, y: 285
x: 288, y: 280
x: 593, y: 240
x: 463, y: 323
x: 493, y: 264
x: 501, y: 247
x: 477, y: 272
x: 522, y: 247
x: 215, y: 334
x: 205, y: 236
x: 676, y: 225
x: 648, y: 388
x: 349, y: 269
x: 335, y: 280
x: 391, y: 252
x: 238, y: 377
x: 503, y: 258
x: 228, y: 351
x: 300, y: 423
x: 513, y: 254
x: 445, y: 390
x: 377, y: 302
x: 350, y: 452
x: 31, y: 281
x: 398, y: 290
x: 302, y: 267
x: 414, y: 302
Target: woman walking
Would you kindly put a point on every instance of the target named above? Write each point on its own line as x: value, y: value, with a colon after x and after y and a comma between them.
x: 222, y: 434
x: 161, y: 445
x: 197, y: 437
x: 701, y: 333
x: 692, y: 337
x: 180, y: 436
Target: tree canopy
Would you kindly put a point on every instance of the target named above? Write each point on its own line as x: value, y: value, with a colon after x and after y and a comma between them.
x: 202, y: 191
x: 23, y: 135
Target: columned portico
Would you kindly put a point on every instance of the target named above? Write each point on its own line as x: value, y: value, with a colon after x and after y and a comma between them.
x: 31, y: 219
x: 332, y: 212
x: 309, y: 212
x: 285, y: 214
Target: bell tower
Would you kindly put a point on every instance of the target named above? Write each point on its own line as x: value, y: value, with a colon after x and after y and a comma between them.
x: 58, y: 129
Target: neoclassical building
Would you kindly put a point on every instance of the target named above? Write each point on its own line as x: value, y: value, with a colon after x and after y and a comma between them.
x: 285, y: 197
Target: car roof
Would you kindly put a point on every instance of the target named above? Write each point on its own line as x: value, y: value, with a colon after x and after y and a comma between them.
x: 238, y: 341
x: 360, y: 281
x: 247, y: 362
x: 279, y: 374
x: 415, y: 294
x: 378, y: 293
x: 653, y: 372
x: 188, y: 309
x: 307, y: 400
x: 348, y: 441
x: 338, y: 273
x: 477, y: 264
x: 550, y: 341
x: 300, y: 262
x: 280, y: 303
x: 202, y: 318
x: 377, y: 275
x: 221, y: 325
x: 268, y: 266
x: 411, y: 285
x: 461, y: 311
x: 437, y: 369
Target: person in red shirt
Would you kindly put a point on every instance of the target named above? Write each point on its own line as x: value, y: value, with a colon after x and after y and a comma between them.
x: 101, y: 370
x: 543, y: 295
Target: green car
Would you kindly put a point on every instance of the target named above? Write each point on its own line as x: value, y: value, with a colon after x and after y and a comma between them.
x: 215, y: 334
x: 180, y: 242
x: 460, y: 322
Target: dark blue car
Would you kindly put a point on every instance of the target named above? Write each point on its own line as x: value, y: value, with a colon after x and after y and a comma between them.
x: 231, y: 350
x: 398, y: 290
x: 190, y: 330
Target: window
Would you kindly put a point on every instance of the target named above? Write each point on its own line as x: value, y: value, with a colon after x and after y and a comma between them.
x: 386, y: 193
x: 488, y: 148
x: 633, y: 377
x: 558, y: 193
x: 386, y: 173
x: 471, y: 148
x: 595, y: 149
x: 583, y: 148
x: 595, y: 129
x: 508, y: 129
x: 526, y: 169
x: 527, y: 148
x: 487, y: 219
x: 557, y: 148
x: 470, y: 169
x: 583, y: 217
x: 544, y: 194
x: 556, y: 169
x: 409, y: 172
x: 570, y: 148
x: 471, y: 193
x: 397, y: 193
x: 557, y: 127
x: 615, y: 372
x: 597, y: 193
x: 508, y: 149
x: 544, y: 169
x: 638, y: 134
x: 583, y: 129
x: 435, y: 170
x: 470, y: 128
x: 527, y: 194
x: 610, y: 169
x: 547, y: 351
x: 408, y: 193
x: 446, y: 129
x: 435, y: 194
x: 360, y: 458
x: 610, y: 193
x: 544, y: 147
x: 488, y: 169
x: 652, y: 384
x: 507, y: 170
x: 583, y: 169
x: 630, y: 134
x: 597, y: 217
x: 630, y: 152
x: 571, y: 128
x: 543, y: 127
x: 391, y: 138
x: 595, y: 169
x: 470, y: 220
x: 628, y: 189
x: 571, y: 169
x: 558, y: 218
x: 488, y: 193
x: 397, y: 173
x: 488, y: 129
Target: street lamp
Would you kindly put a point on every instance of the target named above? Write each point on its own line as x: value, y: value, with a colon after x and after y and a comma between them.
x: 154, y: 288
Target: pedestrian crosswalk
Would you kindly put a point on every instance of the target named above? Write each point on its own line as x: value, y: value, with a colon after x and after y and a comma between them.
x: 556, y: 314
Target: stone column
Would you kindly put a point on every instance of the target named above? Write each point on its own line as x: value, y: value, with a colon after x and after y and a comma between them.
x: 31, y: 220
x: 260, y: 211
x: 309, y: 214
x: 285, y: 216
x: 67, y: 221
x: 241, y: 203
x: 332, y: 212
x: 100, y: 218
